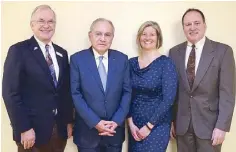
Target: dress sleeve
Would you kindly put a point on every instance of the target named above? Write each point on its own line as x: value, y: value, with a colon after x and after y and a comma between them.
x: 169, y: 88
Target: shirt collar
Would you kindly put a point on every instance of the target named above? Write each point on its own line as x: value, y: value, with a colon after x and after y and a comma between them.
x: 96, y: 55
x: 199, y: 43
x: 41, y: 44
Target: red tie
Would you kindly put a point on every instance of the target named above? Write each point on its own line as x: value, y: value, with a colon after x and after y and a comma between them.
x: 191, y: 67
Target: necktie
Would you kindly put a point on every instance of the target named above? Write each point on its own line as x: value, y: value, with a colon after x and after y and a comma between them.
x: 50, y: 65
x: 191, y: 67
x: 102, y: 72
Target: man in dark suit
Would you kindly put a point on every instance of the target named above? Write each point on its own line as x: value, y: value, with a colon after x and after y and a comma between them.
x: 101, y: 91
x: 36, y: 88
x: 206, y: 94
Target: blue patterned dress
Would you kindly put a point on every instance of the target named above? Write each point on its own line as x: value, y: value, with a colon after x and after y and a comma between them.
x: 153, y: 92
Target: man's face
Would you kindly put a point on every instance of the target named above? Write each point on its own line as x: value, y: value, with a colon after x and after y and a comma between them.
x: 101, y: 36
x: 194, y: 27
x: 43, y: 24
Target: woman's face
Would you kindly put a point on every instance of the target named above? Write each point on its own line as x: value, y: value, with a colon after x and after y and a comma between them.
x: 148, y: 39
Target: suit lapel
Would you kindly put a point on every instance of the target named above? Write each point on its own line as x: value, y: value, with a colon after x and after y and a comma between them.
x: 111, y: 69
x: 204, y: 63
x: 91, y: 63
x: 182, y: 52
x: 38, y: 55
x: 60, y: 63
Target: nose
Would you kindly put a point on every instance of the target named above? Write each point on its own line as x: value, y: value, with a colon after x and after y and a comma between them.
x: 46, y: 25
x: 192, y: 27
x: 102, y: 38
x: 147, y: 36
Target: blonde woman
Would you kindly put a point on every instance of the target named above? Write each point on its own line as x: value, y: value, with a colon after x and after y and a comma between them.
x: 154, y: 84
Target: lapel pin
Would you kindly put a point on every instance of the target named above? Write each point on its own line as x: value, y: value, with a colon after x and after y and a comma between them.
x: 35, y: 48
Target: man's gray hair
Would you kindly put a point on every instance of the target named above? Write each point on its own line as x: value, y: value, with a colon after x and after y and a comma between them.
x: 102, y: 20
x: 41, y: 7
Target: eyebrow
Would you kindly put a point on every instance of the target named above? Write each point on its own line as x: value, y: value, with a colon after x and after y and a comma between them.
x: 193, y: 21
x: 48, y: 20
x: 102, y: 32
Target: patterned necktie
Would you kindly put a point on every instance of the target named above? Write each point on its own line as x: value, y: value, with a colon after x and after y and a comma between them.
x: 102, y: 72
x: 50, y: 65
x: 191, y: 67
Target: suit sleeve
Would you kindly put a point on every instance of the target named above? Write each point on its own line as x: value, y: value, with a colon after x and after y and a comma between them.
x: 226, y: 91
x: 81, y: 107
x: 11, y: 90
x: 175, y: 105
x: 169, y: 87
x: 68, y: 99
x: 123, y: 109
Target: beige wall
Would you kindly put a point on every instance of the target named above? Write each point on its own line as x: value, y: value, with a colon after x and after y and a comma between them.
x: 74, y: 19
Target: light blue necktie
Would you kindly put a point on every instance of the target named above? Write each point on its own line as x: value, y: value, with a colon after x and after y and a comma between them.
x: 102, y: 72
x: 51, y: 66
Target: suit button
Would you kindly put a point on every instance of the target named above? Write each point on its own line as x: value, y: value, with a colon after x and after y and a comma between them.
x: 191, y: 96
x: 105, y: 101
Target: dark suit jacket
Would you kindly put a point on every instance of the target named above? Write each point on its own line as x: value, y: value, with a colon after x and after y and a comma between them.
x: 29, y: 93
x: 210, y: 103
x: 92, y: 103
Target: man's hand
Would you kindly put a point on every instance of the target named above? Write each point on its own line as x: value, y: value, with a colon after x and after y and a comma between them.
x: 104, y: 128
x: 218, y: 136
x: 28, y: 138
x: 172, y: 131
x: 69, y: 130
x: 111, y: 125
x: 143, y: 132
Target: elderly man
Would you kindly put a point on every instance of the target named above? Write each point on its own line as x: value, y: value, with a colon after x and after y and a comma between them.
x: 101, y: 91
x: 36, y: 88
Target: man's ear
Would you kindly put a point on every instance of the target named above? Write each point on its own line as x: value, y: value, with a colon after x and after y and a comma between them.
x: 31, y: 24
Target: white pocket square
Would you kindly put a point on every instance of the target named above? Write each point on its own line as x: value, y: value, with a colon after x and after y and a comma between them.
x: 58, y: 53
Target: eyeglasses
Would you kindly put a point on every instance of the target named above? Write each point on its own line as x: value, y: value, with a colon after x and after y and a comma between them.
x: 100, y: 34
x: 43, y: 22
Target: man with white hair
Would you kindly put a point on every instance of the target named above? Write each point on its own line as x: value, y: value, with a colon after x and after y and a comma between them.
x: 36, y: 88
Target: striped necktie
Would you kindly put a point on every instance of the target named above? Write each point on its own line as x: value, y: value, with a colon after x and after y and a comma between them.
x: 50, y: 65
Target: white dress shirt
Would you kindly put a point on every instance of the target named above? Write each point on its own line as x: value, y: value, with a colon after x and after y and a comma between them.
x: 198, y: 52
x: 104, y: 61
x: 52, y: 54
